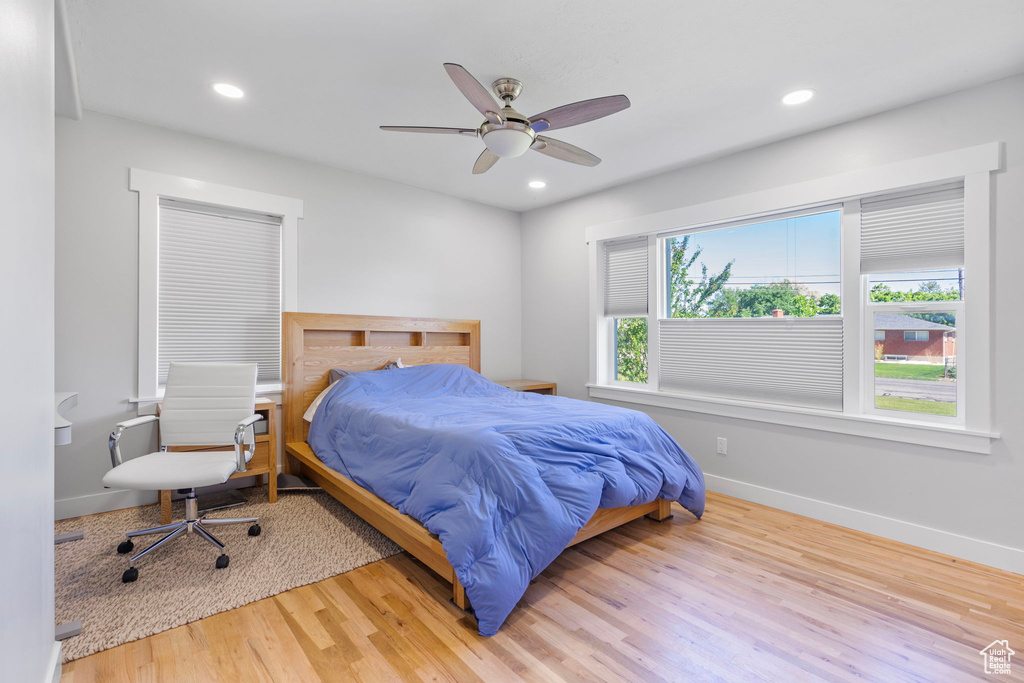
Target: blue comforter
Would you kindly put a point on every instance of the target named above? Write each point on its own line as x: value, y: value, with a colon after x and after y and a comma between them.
x: 504, y: 478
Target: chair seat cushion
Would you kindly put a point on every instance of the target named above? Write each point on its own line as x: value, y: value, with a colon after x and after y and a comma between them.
x: 163, y: 470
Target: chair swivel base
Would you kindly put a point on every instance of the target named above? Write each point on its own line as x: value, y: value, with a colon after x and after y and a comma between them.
x: 192, y: 524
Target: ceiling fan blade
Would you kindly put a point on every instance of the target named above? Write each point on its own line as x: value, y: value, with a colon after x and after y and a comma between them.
x: 579, y: 112
x: 431, y: 129
x: 564, y: 151
x: 477, y: 94
x: 486, y: 159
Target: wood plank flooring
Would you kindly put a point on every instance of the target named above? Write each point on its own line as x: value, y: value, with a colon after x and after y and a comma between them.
x: 749, y: 593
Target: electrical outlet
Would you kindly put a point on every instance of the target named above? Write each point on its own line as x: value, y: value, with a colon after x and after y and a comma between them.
x: 723, y: 446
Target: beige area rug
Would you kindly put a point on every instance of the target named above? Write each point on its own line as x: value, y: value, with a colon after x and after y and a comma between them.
x: 306, y: 537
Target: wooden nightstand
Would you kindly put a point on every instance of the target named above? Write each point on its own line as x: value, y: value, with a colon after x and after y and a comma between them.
x: 263, y: 463
x: 533, y: 385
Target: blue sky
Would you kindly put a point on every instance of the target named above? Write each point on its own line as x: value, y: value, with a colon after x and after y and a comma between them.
x: 803, y: 249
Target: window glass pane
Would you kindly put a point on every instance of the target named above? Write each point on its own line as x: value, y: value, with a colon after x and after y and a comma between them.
x: 786, y: 267
x: 631, y: 350
x: 915, y: 362
x: 920, y: 285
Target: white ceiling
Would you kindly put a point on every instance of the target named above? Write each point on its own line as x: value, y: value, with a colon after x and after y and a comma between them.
x: 704, y: 76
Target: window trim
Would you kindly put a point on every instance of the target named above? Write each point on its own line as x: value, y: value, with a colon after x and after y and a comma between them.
x: 974, y: 165
x: 152, y: 187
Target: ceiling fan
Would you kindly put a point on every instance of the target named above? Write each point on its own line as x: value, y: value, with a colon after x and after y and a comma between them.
x: 507, y: 133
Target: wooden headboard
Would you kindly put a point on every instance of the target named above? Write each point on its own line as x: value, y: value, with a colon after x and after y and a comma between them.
x: 313, y: 343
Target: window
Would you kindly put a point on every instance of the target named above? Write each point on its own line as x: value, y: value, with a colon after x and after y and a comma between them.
x: 912, y: 255
x: 753, y: 312
x: 216, y: 268
x: 789, y: 266
x: 849, y: 309
x: 626, y: 298
x: 219, y: 288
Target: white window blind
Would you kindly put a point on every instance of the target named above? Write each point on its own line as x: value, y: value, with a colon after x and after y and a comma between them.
x: 915, y: 230
x: 219, y: 288
x: 625, y: 278
x: 792, y: 362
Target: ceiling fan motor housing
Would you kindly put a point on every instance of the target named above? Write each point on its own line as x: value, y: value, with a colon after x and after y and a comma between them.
x: 507, y: 89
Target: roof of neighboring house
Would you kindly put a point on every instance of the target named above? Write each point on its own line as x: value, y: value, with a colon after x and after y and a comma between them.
x: 898, y: 321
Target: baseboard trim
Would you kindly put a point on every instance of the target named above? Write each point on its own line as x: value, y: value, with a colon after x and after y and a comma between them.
x: 964, y: 547
x: 120, y: 499
x: 104, y: 501
x: 55, y: 662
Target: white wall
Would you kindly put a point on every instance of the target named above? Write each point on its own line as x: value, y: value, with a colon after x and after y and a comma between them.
x: 366, y: 246
x: 962, y: 494
x: 27, y: 649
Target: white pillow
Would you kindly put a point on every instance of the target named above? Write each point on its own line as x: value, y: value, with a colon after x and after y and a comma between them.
x: 311, y: 410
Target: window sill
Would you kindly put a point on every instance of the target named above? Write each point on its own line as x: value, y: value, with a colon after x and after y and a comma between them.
x: 887, y: 429
x: 270, y: 390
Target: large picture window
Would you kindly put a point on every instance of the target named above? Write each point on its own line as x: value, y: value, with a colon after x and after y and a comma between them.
x: 752, y: 311
x: 781, y: 267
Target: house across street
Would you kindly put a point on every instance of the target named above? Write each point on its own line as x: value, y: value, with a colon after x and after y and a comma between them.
x: 903, y: 337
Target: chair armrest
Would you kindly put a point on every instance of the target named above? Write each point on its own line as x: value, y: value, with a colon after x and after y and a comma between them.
x: 240, y: 431
x: 136, y: 421
x: 115, y: 436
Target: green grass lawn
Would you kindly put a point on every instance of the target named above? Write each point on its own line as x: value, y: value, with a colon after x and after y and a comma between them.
x: 912, y: 405
x: 909, y: 371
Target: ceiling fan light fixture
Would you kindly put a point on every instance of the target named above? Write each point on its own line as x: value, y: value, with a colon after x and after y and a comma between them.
x: 508, y: 142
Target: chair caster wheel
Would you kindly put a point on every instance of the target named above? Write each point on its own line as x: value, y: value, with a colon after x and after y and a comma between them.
x: 130, y: 574
x: 255, y: 530
x: 125, y: 547
x: 222, y: 561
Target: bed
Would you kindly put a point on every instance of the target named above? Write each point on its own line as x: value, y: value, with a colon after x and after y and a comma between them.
x: 313, y: 344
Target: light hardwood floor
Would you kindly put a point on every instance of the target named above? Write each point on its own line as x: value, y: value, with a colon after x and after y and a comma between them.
x: 749, y: 593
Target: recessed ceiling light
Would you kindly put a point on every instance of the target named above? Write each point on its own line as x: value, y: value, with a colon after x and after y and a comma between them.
x: 228, y: 90
x: 797, y: 97
x: 537, y: 184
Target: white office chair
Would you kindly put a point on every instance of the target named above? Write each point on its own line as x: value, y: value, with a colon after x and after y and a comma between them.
x: 205, y: 404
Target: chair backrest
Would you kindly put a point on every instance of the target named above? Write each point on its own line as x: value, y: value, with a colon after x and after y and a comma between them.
x: 204, y: 402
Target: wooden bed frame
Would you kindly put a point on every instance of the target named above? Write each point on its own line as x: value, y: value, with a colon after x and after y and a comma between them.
x: 313, y: 343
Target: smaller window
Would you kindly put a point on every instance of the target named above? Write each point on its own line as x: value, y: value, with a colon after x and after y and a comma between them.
x: 879, y: 335
x: 915, y: 335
